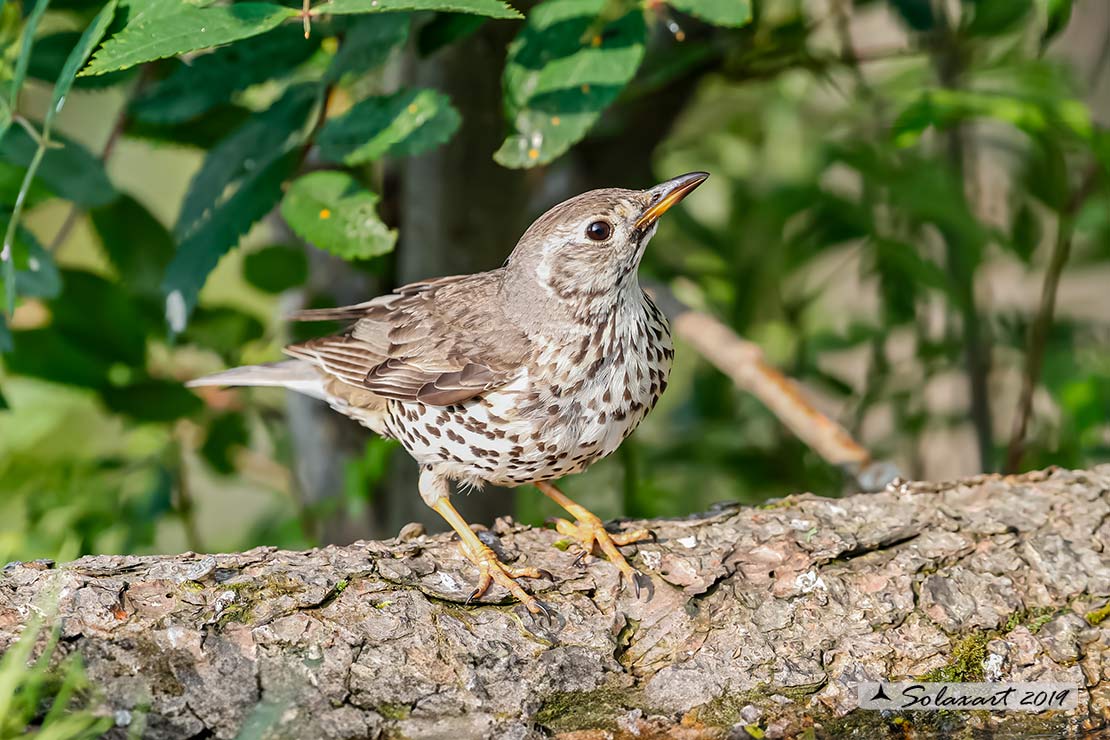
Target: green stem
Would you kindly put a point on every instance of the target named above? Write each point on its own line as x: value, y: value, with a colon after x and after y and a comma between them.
x: 7, y: 254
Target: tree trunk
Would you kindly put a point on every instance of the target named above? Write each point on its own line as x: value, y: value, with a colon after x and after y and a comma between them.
x: 761, y: 617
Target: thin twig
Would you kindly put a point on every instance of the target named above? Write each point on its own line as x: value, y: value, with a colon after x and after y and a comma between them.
x: 1042, y: 323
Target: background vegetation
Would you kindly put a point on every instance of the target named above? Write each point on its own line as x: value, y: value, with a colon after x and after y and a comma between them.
x: 907, y: 212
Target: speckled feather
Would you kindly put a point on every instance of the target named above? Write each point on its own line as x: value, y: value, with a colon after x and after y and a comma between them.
x: 522, y: 374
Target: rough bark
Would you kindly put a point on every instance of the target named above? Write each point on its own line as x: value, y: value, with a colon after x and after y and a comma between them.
x: 760, y: 617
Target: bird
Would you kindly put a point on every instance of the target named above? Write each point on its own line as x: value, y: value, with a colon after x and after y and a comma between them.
x: 520, y: 375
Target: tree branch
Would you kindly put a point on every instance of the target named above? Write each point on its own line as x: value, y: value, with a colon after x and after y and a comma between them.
x: 765, y: 616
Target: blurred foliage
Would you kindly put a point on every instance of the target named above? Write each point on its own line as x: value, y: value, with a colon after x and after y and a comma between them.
x: 869, y: 195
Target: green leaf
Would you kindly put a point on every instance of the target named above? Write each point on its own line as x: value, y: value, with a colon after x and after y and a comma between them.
x: 152, y: 400
x: 11, y: 180
x: 36, y: 274
x: 50, y: 54
x: 732, y: 13
x: 995, y: 17
x: 333, y: 212
x: 115, y: 332
x: 446, y: 28
x: 135, y: 242
x: 562, y: 73
x: 3, y: 401
x: 403, y: 124
x: 69, y: 171
x: 211, y: 79
x: 489, y: 8
x: 80, y: 54
x: 367, y: 43
x: 219, y: 231
x: 203, y: 132
x: 276, y: 269
x: 47, y: 354
x: 10, y: 98
x: 5, y: 335
x: 224, y: 329
x: 226, y: 433
x: 1025, y: 233
x: 918, y: 14
x: 184, y: 29
x: 262, y: 138
x: 1057, y: 14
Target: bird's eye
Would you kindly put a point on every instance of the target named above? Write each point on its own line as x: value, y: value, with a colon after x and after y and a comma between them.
x: 599, y: 231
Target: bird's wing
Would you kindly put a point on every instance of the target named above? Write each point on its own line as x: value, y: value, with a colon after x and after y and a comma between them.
x: 439, y: 342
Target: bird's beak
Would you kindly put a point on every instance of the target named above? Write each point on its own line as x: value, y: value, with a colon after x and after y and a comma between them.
x: 666, y: 194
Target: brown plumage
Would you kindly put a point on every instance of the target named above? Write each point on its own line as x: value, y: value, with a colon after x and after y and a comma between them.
x: 519, y: 375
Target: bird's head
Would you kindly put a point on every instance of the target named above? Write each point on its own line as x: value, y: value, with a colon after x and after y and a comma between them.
x: 587, y: 248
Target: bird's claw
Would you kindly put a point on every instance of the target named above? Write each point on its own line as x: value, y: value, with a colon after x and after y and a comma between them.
x: 590, y: 533
x: 491, y: 570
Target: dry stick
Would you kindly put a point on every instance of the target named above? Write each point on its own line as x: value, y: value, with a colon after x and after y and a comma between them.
x: 743, y: 361
x: 1042, y: 323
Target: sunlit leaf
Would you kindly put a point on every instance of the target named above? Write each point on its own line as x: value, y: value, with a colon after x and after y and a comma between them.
x: 718, y: 12
x: 276, y: 269
x: 50, y: 54
x: 211, y: 79
x: 489, y: 8
x: 333, y: 212
x: 564, y: 69
x: 403, y: 124
x: 183, y: 29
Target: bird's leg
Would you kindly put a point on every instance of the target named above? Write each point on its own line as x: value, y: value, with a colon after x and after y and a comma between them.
x: 433, y: 489
x: 589, y: 530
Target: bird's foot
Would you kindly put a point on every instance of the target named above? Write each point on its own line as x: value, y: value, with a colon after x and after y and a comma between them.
x: 491, y: 570
x: 589, y: 532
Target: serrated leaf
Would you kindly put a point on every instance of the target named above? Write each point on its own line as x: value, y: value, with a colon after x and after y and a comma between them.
x: 403, y: 124
x: 367, y: 43
x: 152, y: 400
x: 10, y: 95
x: 50, y: 54
x: 211, y: 79
x: 183, y: 29
x: 80, y: 54
x: 333, y: 212
x: 219, y: 231
x: 263, y: 137
x: 488, y: 8
x: 135, y: 242
x: 276, y: 269
x: 557, y: 83
x: 70, y: 171
x: 733, y: 13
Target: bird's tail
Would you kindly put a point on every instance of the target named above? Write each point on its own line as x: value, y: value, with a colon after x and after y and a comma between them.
x: 296, y: 375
